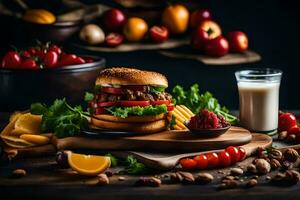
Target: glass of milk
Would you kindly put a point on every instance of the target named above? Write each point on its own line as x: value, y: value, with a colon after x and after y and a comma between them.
x: 259, y: 99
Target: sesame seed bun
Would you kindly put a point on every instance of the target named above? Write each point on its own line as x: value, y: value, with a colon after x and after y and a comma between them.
x: 130, y: 76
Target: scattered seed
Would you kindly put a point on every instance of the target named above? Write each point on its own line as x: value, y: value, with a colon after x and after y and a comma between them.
x: 121, y: 178
x: 18, y: 173
x: 236, y: 171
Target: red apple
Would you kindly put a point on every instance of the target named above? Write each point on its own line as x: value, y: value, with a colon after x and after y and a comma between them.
x: 212, y: 28
x: 238, y: 41
x: 199, y: 16
x: 114, y: 20
x: 199, y: 39
x: 159, y: 34
x: 217, y: 47
x: 114, y: 39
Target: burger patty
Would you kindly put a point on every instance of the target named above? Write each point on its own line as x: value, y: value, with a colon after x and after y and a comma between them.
x: 130, y: 95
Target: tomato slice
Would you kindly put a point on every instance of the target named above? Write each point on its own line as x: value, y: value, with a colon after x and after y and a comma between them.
x: 99, y: 111
x: 107, y: 104
x: 134, y: 103
x: 160, y: 102
x: 141, y: 88
x: 170, y: 107
x: 112, y: 90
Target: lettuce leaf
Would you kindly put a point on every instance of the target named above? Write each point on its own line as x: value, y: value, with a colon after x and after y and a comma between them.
x: 136, y: 110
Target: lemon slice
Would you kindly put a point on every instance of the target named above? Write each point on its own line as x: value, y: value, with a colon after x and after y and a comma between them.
x: 89, y: 165
x: 16, y: 142
x: 35, y: 139
x: 15, y: 115
x: 10, y: 126
x: 29, y: 123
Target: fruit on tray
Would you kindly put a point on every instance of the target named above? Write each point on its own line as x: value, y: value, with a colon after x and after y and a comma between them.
x: 41, y: 56
x: 90, y: 165
x: 114, y: 39
x: 211, y: 27
x: 159, y: 34
x: 224, y: 158
x: 179, y: 116
x: 135, y: 29
x: 238, y: 41
x: 286, y: 121
x: 176, y: 18
x: 288, y: 128
x: 199, y: 39
x: 39, y: 16
x: 217, y: 47
x: 113, y: 20
x: 92, y: 34
x: 199, y: 16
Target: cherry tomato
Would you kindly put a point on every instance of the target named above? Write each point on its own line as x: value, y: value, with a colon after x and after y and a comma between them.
x: 213, y: 160
x: 11, y: 60
x: 159, y: 34
x: 89, y: 60
x: 51, y: 59
x: 294, y: 130
x: 28, y: 64
x: 242, y: 152
x: 234, y: 154
x: 286, y: 121
x: 31, y: 51
x: 107, y: 104
x: 55, y: 48
x: 67, y: 59
x: 114, y: 39
x: 40, y: 53
x: 224, y: 159
x: 170, y: 107
x: 112, y: 90
x: 188, y: 163
x: 99, y: 111
x: 78, y: 61
x: 26, y: 54
x: 160, y: 102
x: 134, y: 103
x: 202, y: 161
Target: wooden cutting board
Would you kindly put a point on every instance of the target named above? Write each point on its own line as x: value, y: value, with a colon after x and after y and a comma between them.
x: 169, y: 161
x: 174, y: 141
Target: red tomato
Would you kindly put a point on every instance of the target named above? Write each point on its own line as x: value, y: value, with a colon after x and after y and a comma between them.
x: 202, y: 161
x: 242, y: 152
x: 40, y: 53
x: 107, y: 104
x: 134, y: 103
x: 28, y: 64
x: 213, y: 160
x: 170, y: 107
x: 89, y: 60
x: 55, y: 48
x: 286, y: 121
x: 159, y: 34
x: 67, y: 59
x: 78, y: 61
x: 99, y: 111
x: 112, y: 90
x: 11, y: 60
x: 224, y: 159
x: 160, y: 102
x: 234, y: 154
x: 188, y: 163
x: 294, y: 130
x: 26, y: 54
x: 216, y: 47
x: 51, y: 59
x: 31, y: 51
x: 114, y: 39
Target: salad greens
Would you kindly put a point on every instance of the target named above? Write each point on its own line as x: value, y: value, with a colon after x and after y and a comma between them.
x: 156, y: 89
x: 196, y: 101
x: 137, y: 110
x: 60, y: 118
x: 88, y: 96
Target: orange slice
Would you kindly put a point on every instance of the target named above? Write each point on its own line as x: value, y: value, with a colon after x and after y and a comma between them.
x: 90, y: 165
x: 35, y: 139
x: 29, y: 123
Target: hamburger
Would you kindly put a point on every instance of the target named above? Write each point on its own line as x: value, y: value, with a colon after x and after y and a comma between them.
x: 129, y: 99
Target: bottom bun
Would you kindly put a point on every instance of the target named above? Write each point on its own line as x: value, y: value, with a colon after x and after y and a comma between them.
x: 149, y: 127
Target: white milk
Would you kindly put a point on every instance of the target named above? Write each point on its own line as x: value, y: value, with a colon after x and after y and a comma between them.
x: 259, y: 105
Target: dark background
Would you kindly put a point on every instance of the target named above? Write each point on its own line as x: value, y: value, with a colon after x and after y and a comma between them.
x: 271, y: 25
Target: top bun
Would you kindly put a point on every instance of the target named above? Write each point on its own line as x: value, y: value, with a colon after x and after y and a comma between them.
x: 130, y: 76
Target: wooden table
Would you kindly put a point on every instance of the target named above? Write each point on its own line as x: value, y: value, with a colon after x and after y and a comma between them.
x: 44, y: 180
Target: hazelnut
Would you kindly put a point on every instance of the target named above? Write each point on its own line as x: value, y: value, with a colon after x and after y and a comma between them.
x: 103, y: 179
x: 291, y: 138
x: 176, y: 177
x: 121, y: 178
x: 18, y: 173
x: 204, y: 178
x: 230, y: 184
x: 262, y: 166
x: 290, y: 177
x: 251, y: 183
x: 275, y: 164
x: 275, y: 154
x: 282, y: 135
x: 236, y: 171
x: 188, y: 178
x: 151, y: 181
x: 291, y: 155
x: 251, y: 168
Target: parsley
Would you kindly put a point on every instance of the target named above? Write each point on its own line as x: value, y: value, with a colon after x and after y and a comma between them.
x: 196, y: 101
x: 88, y: 96
x: 60, y: 118
x: 133, y: 166
x: 136, y: 110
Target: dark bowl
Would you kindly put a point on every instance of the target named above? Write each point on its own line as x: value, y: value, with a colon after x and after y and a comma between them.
x: 210, y: 133
x: 57, y: 32
x: 19, y: 87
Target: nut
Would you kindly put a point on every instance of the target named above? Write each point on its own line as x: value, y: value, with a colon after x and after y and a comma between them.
x: 291, y: 155
x: 121, y: 178
x: 287, y: 165
x: 103, y: 179
x: 187, y: 177
x: 18, y: 173
x: 230, y: 184
x: 275, y: 164
x: 204, y: 178
x: 251, y: 183
x: 262, y: 166
x: 275, y: 154
x: 290, y: 177
x: 236, y: 171
x: 282, y: 135
x: 176, y: 177
x: 291, y: 138
x: 151, y: 181
x: 92, y: 182
x: 251, y: 168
